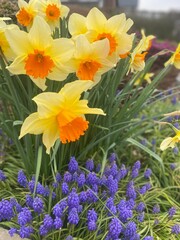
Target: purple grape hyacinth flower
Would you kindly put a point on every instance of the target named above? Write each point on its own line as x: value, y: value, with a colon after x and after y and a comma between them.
x: 90, y: 165
x: 2, y: 176
x: 38, y: 205
x: 21, y: 179
x: 175, y: 229
x: 6, y: 210
x: 73, y: 165
x: 147, y: 173
x: 115, y: 228
x: 73, y: 217
x: 171, y: 212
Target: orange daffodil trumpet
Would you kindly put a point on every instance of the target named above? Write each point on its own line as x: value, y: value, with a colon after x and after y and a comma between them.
x: 97, y: 27
x: 27, y: 12
x: 90, y: 59
x: 52, y: 11
x: 175, y: 58
x: 38, y: 54
x: 60, y: 115
x: 137, y: 61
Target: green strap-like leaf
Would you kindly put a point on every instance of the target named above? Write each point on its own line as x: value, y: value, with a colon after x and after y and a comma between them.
x: 151, y: 153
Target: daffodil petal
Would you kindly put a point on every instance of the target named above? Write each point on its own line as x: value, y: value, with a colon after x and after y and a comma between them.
x: 62, y: 49
x: 48, y: 104
x: 125, y: 43
x: 33, y: 124
x: 96, y: 20
x: 77, y: 24
x: 128, y: 25
x: 81, y: 107
x: 40, y: 34
x: 50, y: 135
x: 74, y: 89
x: 83, y: 46
x: 22, y: 4
x: 167, y: 142
x: 41, y: 83
x: 17, y: 67
x: 116, y: 23
x: 101, y: 48
x: 18, y: 40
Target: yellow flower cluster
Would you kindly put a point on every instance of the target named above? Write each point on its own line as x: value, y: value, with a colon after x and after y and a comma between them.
x: 95, y: 46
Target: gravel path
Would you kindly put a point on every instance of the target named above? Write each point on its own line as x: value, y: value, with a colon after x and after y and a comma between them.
x: 4, y: 235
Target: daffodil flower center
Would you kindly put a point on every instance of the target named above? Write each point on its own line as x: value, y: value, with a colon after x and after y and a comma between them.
x: 124, y: 55
x: 88, y: 69
x: 3, y: 42
x: 38, y: 64
x: 177, y: 57
x: 72, y: 130
x: 24, y: 17
x: 112, y: 41
x: 52, y: 12
x: 139, y: 57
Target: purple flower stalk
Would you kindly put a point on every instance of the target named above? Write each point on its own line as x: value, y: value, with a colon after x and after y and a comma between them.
x: 140, y: 207
x: 73, y: 165
x: 22, y: 180
x: 130, y: 230
x: 171, y: 212
x: 6, y: 210
x: 92, y: 215
x: 115, y: 228
x: 112, y: 157
x: 73, y: 199
x: 73, y: 217
x: 24, y: 217
x: 38, y: 205
x: 2, y: 176
x: 147, y: 173
x: 156, y: 209
x: 90, y: 165
x: 175, y: 229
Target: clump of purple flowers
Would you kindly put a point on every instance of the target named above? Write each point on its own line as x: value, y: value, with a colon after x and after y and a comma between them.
x: 82, y: 197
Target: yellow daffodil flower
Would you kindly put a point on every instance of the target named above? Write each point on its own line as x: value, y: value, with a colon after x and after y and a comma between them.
x: 170, y: 141
x: 137, y: 61
x: 90, y: 59
x: 52, y: 11
x: 27, y: 12
x: 38, y: 54
x: 97, y: 27
x: 146, y: 41
x: 60, y: 115
x: 147, y: 78
x: 4, y: 45
x: 77, y: 25
x: 175, y: 58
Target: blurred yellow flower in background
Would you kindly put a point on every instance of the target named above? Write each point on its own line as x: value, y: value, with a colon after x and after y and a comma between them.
x: 147, y: 78
x: 175, y: 58
x: 137, y: 61
x: 27, y: 12
x: 52, y: 11
x: 170, y: 141
x: 60, y: 115
x: 4, y: 45
x: 38, y: 54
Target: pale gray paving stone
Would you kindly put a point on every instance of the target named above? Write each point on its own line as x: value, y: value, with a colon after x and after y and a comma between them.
x: 4, y: 235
